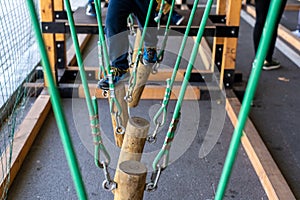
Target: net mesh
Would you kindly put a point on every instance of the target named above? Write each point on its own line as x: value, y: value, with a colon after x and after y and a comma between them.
x: 18, y: 58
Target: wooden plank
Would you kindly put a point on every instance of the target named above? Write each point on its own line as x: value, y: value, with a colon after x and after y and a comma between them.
x: 230, y: 44
x: 82, y: 40
x: 47, y: 15
x: 283, y: 32
x: 266, y: 169
x: 25, y: 136
x: 162, y: 75
x: 217, y: 41
x: 155, y: 92
x: 59, y: 6
x: 292, y: 7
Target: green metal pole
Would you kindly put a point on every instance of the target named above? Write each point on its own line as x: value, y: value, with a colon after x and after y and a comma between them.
x: 57, y: 108
x: 249, y: 94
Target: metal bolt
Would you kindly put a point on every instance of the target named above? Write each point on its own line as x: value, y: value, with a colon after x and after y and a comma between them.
x: 59, y: 60
x: 229, y: 75
x: 58, y: 45
x: 220, y: 49
x: 46, y: 27
x: 218, y: 63
x: 232, y: 32
x: 227, y: 84
x: 57, y: 16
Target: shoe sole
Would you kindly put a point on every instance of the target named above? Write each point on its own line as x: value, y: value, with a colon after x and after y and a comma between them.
x: 271, y: 67
x: 126, y: 78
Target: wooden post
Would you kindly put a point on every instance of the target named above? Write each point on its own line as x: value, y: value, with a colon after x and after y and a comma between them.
x: 134, y: 140
x: 143, y: 73
x: 230, y: 44
x: 133, y: 145
x: 120, y: 94
x: 47, y: 15
x: 60, y: 41
x: 131, y: 180
x: 218, y: 43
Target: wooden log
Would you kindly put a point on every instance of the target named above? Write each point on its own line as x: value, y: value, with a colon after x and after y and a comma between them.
x: 134, y: 139
x: 131, y: 180
x: 120, y: 93
x: 143, y: 73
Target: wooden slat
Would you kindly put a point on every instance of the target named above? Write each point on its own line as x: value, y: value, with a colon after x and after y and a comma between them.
x: 82, y: 40
x: 47, y: 15
x: 162, y: 74
x: 150, y: 92
x: 25, y: 136
x: 266, y: 169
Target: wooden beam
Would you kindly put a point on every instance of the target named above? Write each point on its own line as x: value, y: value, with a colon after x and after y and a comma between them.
x: 283, y: 32
x: 47, y: 15
x: 151, y: 92
x: 266, y: 169
x: 162, y: 75
x: 60, y: 38
x: 71, y: 57
x: 24, y: 138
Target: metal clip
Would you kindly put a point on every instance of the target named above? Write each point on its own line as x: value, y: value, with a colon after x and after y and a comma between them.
x: 119, y: 128
x: 152, y: 186
x: 155, y: 68
x: 152, y: 138
x: 107, y: 184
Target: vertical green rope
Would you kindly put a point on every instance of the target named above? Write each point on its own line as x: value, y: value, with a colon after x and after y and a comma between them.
x: 176, y: 114
x: 249, y: 94
x: 92, y: 112
x: 57, y: 108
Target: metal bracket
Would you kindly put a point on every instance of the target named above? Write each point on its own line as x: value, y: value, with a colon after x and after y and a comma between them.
x: 53, y: 27
x: 221, y: 19
x: 227, y: 31
x: 60, y: 15
x: 60, y: 52
x: 228, y: 78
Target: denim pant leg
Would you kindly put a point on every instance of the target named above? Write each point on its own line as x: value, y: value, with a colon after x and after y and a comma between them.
x: 140, y: 11
x: 116, y: 32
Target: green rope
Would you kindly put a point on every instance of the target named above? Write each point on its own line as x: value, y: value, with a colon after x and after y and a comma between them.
x: 132, y: 80
x: 166, y: 34
x: 176, y: 115
x: 264, y: 44
x: 57, y: 108
x: 92, y: 111
x: 113, y: 100
x: 178, y: 60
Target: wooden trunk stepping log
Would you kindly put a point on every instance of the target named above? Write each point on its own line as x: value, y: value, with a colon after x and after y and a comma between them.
x: 120, y: 93
x: 131, y: 180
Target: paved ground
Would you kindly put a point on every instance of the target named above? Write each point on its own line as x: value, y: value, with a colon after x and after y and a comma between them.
x: 275, y: 114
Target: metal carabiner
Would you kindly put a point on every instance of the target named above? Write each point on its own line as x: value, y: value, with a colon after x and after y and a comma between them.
x: 152, y: 138
x: 152, y: 185
x: 119, y: 128
x: 107, y: 184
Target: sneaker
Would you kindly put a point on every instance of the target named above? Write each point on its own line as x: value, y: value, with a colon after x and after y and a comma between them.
x: 296, y: 33
x: 177, y: 19
x: 150, y: 56
x: 90, y: 10
x: 119, y: 75
x: 271, y: 65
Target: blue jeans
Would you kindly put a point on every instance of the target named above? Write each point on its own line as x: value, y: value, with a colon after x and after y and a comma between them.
x: 117, y: 32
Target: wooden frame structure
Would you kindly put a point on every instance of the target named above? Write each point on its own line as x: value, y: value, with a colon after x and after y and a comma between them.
x: 224, y: 53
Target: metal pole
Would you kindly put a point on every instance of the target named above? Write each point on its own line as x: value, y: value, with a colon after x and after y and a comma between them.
x: 57, y: 108
x: 249, y: 94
